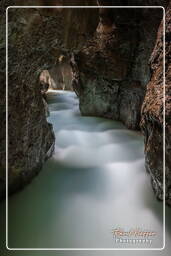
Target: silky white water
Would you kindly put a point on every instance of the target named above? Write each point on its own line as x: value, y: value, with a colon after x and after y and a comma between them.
x: 94, y: 182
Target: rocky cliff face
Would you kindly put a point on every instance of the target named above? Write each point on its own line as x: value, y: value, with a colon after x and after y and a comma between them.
x: 37, y: 37
x: 153, y: 114
x: 111, y: 74
x: 111, y: 71
x: 2, y: 96
x: 30, y: 136
x: 57, y: 78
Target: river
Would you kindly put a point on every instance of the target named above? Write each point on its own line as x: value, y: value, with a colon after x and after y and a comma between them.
x: 95, y: 182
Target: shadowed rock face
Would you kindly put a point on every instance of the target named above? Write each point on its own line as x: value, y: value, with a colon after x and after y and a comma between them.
x: 152, y: 114
x: 57, y: 78
x: 111, y: 71
x: 31, y: 138
x: 37, y: 37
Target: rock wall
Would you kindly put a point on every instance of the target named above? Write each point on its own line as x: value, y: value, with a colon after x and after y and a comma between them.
x: 111, y: 71
x: 30, y: 136
x: 57, y: 78
x: 153, y: 114
x: 2, y: 99
x: 37, y: 37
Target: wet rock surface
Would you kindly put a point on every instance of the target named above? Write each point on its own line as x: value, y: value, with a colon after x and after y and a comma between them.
x: 30, y: 136
x: 37, y: 38
x: 111, y: 71
x: 57, y: 78
x: 153, y: 114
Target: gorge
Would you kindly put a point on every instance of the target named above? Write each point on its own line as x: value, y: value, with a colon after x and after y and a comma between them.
x: 110, y: 62
x: 94, y: 175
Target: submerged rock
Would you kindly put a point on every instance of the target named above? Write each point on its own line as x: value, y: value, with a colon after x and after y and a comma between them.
x: 153, y: 114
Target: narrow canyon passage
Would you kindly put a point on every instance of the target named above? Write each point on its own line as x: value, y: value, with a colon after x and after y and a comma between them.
x: 87, y: 142
x: 94, y: 182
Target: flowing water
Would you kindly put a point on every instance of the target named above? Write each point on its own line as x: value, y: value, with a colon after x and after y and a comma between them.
x: 95, y: 182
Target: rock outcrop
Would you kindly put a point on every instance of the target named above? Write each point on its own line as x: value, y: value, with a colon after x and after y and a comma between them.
x: 153, y: 114
x: 37, y: 38
x: 2, y: 99
x: 57, y: 78
x: 30, y: 136
x: 110, y: 73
